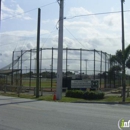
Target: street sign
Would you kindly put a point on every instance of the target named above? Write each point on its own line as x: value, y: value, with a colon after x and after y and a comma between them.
x: 80, y: 83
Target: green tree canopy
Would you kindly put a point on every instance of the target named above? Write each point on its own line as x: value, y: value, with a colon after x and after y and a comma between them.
x: 118, y: 57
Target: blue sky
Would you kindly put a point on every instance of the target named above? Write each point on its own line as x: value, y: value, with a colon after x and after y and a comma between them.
x: 101, y: 32
x: 51, y: 12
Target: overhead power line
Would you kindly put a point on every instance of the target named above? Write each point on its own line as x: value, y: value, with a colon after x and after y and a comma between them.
x: 102, y: 13
x: 74, y: 37
x: 29, y: 11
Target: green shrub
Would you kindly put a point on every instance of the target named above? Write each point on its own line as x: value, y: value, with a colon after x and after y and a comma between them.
x: 85, y: 96
x: 74, y: 93
x: 101, y: 95
x: 90, y: 95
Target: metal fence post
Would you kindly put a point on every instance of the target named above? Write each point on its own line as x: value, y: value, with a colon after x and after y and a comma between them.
x: 108, y: 63
x: 129, y: 80
x: 52, y: 69
x: 109, y: 72
x: 101, y: 71
x: 30, y: 69
x: 105, y: 70
x: 114, y: 77
x: 21, y: 70
x: 12, y: 76
x: 94, y: 64
x: 40, y: 65
x: 80, y: 63
x: 66, y: 60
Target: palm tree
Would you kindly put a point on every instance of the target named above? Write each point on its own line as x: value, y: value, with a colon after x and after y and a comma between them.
x: 117, y: 58
x: 117, y: 61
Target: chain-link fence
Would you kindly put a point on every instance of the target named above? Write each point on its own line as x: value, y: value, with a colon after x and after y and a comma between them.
x: 77, y: 64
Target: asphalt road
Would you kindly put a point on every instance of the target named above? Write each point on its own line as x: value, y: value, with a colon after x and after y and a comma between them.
x: 24, y: 114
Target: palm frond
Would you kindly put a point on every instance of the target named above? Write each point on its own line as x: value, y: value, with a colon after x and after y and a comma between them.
x: 128, y: 63
x: 112, y: 59
x: 119, y: 57
x: 127, y: 52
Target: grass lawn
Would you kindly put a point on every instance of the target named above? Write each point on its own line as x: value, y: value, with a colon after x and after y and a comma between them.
x: 44, y: 83
x: 66, y: 99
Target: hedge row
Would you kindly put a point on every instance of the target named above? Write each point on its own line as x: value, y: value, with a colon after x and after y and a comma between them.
x: 90, y: 95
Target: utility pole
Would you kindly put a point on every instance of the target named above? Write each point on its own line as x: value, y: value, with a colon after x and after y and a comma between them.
x: 60, y: 52
x: 37, y: 56
x: 123, y: 53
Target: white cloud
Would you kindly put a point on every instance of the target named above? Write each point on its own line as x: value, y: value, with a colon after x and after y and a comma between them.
x: 19, y: 10
x: 77, y: 11
x: 113, y: 21
x: 102, y: 33
x: 13, y: 1
x: 6, y: 54
x: 95, y: 32
x: 19, y: 40
x: 24, y: 33
x: 16, y: 12
x: 45, y: 21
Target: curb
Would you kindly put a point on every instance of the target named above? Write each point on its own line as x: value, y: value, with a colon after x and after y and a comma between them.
x: 121, y: 103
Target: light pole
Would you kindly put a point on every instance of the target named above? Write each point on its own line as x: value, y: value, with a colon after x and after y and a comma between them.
x: 123, y: 53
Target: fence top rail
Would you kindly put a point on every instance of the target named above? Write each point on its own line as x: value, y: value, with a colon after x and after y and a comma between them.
x: 75, y: 49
